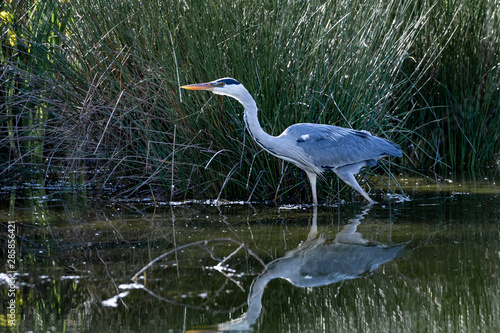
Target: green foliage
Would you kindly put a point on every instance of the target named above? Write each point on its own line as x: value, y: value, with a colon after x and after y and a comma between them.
x: 90, y: 89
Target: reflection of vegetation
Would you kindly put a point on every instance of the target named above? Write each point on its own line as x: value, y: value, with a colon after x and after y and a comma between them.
x: 447, y: 277
x: 89, y: 92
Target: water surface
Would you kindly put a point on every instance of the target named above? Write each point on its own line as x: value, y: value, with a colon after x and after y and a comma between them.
x: 426, y: 265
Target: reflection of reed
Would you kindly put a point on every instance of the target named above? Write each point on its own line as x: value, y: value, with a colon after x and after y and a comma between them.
x: 317, y: 262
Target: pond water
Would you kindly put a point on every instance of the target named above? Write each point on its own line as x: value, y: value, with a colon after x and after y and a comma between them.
x: 430, y: 264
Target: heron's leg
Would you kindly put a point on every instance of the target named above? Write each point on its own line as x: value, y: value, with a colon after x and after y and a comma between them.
x: 312, y: 179
x: 350, y: 180
x: 313, y: 233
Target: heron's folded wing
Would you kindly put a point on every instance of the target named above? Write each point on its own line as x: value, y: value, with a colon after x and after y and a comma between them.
x: 331, y: 146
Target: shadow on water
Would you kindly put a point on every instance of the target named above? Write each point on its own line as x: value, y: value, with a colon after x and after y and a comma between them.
x: 318, y: 262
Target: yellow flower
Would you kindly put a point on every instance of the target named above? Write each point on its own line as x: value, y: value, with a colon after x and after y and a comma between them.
x: 6, y: 17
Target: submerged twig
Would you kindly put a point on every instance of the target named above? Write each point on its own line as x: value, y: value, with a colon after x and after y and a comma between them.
x: 200, y: 244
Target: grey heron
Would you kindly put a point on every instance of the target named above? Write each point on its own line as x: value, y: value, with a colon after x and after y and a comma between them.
x: 315, y: 148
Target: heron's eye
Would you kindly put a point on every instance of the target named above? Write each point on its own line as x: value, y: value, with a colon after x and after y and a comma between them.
x: 220, y: 84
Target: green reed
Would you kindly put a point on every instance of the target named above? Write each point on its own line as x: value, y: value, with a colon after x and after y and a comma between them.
x: 100, y: 85
x: 29, y: 55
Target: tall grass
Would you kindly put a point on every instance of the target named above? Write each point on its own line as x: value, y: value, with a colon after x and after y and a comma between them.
x: 463, y: 86
x: 90, y: 89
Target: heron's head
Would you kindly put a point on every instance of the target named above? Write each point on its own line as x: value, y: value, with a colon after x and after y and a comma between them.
x: 225, y: 86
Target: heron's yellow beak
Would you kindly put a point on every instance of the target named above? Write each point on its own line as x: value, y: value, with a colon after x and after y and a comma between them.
x: 199, y: 86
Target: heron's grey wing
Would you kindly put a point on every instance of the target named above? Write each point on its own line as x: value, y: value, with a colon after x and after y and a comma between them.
x: 330, y: 147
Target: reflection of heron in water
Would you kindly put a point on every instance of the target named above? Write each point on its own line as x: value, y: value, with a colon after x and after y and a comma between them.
x: 318, y: 263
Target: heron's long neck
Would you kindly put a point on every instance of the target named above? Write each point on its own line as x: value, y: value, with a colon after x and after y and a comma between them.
x: 252, y: 121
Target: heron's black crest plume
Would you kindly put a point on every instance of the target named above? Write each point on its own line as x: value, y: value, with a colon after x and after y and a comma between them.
x: 228, y: 81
